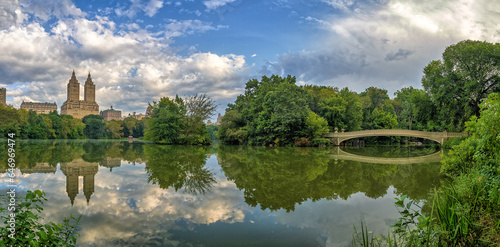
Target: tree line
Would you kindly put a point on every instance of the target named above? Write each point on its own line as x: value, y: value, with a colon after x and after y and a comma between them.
x: 30, y: 125
x: 277, y: 111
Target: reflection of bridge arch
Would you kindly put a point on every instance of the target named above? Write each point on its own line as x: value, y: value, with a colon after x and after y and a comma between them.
x: 340, y: 154
x: 439, y: 137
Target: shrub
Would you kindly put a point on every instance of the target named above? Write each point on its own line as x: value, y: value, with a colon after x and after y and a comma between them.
x: 28, y: 231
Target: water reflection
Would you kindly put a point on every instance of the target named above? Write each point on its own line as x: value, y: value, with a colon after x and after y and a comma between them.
x: 179, y: 167
x: 282, y: 178
x: 73, y: 170
x: 150, y: 195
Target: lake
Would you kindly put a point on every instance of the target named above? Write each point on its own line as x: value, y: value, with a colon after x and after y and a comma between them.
x: 139, y: 194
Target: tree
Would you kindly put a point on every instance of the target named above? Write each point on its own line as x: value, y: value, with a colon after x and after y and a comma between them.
x: 231, y: 130
x: 467, y: 73
x: 114, y: 129
x: 353, y: 115
x: 270, y: 112
x: 316, y: 126
x: 333, y: 109
x: 198, y: 109
x: 166, y: 121
x: 129, y: 124
x: 482, y: 148
x: 372, y: 98
x: 94, y: 126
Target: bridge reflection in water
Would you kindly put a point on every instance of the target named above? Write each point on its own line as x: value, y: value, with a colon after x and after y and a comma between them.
x: 339, y: 154
x: 439, y: 137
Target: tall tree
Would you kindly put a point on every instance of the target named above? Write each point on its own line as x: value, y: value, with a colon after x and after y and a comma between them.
x: 94, y: 126
x: 166, y: 121
x: 198, y: 109
x: 467, y: 73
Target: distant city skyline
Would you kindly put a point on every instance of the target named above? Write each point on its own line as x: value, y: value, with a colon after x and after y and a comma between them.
x: 141, y: 50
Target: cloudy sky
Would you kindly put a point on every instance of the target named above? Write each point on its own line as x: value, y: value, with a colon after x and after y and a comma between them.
x: 140, y: 50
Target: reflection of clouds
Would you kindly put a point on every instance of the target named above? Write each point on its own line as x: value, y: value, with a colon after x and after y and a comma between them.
x: 335, y: 219
x: 126, y: 210
x: 111, y: 218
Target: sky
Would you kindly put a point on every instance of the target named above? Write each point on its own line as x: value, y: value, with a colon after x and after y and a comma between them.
x: 138, y: 51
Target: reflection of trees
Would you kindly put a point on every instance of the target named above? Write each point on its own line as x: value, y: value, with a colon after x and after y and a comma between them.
x: 179, y: 167
x: 30, y: 153
x: 280, y: 178
x: 274, y: 178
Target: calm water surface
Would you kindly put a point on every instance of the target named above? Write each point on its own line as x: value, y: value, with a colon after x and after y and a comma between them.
x: 135, y: 194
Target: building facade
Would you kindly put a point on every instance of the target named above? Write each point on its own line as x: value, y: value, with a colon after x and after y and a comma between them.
x: 111, y: 114
x: 3, y: 95
x: 80, y: 108
x: 39, y: 108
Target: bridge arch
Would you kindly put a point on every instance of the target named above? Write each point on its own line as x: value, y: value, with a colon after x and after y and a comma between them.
x: 438, y: 137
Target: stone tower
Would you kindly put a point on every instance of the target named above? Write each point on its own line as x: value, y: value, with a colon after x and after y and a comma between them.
x: 73, y: 88
x: 76, y: 107
x: 89, y: 93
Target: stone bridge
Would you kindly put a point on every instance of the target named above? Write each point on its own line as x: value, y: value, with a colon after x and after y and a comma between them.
x: 339, y: 154
x: 439, y: 137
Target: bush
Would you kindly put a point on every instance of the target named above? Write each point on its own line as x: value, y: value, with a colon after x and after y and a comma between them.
x: 28, y: 231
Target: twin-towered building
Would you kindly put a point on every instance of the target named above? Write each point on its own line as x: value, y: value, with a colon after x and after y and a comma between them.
x: 80, y: 108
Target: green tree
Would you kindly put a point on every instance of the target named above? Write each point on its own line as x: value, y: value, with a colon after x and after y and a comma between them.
x: 467, y: 73
x: 384, y: 119
x: 333, y: 109
x: 353, y: 115
x: 198, y: 109
x: 114, y: 129
x: 232, y: 129
x: 372, y: 98
x: 57, y: 124
x: 316, y: 126
x: 10, y: 120
x: 271, y: 111
x: 166, y: 121
x: 94, y: 126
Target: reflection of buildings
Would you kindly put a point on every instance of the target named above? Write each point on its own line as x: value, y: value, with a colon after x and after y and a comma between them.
x: 110, y: 163
x: 39, y: 108
x: 40, y: 168
x: 75, y: 169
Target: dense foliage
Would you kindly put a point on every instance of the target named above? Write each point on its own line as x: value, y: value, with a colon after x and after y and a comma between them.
x: 29, y: 125
x: 466, y: 211
x: 28, y: 231
x: 180, y: 121
x: 468, y: 72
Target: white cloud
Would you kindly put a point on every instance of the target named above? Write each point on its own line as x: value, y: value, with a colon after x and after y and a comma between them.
x: 11, y: 14
x: 344, y: 5
x: 186, y: 27
x: 125, y: 61
x: 214, y: 4
x: 150, y: 8
x: 387, y: 44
